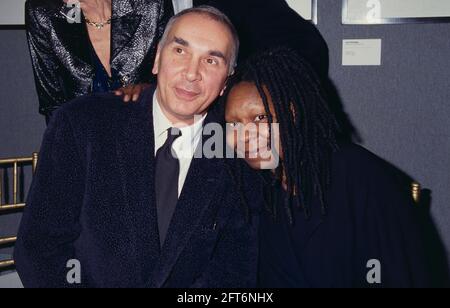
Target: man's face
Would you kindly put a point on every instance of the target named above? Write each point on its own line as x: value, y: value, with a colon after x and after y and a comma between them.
x: 192, y: 66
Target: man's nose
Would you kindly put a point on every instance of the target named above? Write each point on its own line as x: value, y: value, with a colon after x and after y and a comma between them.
x: 193, y: 71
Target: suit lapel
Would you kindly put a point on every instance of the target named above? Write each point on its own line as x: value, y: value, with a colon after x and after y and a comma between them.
x: 123, y: 30
x: 124, y: 25
x: 201, y: 185
x: 135, y: 152
x: 74, y: 37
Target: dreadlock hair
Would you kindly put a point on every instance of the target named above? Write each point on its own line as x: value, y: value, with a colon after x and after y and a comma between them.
x: 308, y: 129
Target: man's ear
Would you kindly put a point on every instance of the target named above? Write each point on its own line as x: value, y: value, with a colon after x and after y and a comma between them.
x: 223, y: 90
x: 226, y: 84
x: 155, y: 69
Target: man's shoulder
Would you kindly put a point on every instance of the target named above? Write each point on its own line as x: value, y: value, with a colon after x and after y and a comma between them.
x: 91, y: 113
x: 93, y: 105
x: 105, y: 109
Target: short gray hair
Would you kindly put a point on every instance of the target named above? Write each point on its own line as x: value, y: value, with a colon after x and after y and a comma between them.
x: 214, y: 14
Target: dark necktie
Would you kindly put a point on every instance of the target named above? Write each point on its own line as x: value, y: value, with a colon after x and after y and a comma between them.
x: 166, y: 183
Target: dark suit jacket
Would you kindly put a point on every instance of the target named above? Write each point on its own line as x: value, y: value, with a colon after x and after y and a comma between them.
x: 93, y: 200
x: 61, y: 53
x: 263, y: 24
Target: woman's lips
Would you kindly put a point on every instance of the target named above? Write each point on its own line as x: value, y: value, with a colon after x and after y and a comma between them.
x: 255, y: 154
x: 185, y: 94
x: 252, y: 154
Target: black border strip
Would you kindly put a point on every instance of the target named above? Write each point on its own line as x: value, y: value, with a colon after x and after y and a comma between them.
x: 12, y: 27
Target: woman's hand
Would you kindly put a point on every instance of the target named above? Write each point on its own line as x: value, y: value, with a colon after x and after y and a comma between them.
x: 132, y: 92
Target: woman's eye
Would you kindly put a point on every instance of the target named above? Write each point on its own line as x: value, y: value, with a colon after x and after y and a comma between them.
x: 261, y: 118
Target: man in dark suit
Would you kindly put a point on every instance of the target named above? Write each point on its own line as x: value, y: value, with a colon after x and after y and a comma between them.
x: 118, y: 195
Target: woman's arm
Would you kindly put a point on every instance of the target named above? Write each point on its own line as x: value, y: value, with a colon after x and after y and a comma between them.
x: 45, y: 64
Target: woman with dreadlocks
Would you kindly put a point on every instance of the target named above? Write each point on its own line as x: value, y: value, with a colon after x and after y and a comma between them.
x: 336, y: 215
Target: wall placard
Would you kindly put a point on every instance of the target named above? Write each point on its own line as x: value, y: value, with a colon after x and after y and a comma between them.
x: 366, y: 12
x: 306, y: 8
x: 12, y: 12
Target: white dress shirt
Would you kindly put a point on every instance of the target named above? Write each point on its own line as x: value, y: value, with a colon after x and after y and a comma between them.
x: 181, y: 5
x: 184, y: 146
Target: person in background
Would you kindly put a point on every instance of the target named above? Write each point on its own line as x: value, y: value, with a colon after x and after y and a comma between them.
x: 270, y: 23
x: 336, y: 215
x: 92, y: 46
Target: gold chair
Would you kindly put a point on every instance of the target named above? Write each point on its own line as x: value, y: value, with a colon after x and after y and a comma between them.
x: 15, y: 164
x: 416, y: 189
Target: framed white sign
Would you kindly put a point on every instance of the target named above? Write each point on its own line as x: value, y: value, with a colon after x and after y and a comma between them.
x: 305, y: 8
x: 364, y: 12
x: 12, y: 12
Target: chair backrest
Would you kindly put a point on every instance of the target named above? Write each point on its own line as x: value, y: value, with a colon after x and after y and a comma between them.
x: 416, y: 190
x: 15, y: 164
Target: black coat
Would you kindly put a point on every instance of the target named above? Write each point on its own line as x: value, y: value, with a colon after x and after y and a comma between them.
x: 61, y: 51
x: 371, y: 215
x: 93, y: 200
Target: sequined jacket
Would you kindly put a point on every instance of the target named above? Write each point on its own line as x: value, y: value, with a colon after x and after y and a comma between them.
x: 60, y: 46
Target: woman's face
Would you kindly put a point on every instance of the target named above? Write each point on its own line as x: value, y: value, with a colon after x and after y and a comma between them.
x: 248, y: 127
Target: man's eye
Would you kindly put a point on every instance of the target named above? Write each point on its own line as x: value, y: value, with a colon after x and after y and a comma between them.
x: 212, y: 61
x: 179, y: 50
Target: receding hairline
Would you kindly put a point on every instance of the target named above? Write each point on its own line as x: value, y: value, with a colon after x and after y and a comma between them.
x: 209, y: 13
